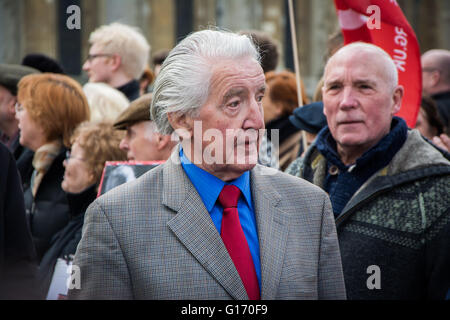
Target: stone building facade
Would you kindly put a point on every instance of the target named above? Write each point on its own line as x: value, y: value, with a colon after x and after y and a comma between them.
x: 28, y: 26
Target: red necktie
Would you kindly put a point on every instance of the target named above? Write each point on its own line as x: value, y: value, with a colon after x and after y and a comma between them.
x: 234, y: 239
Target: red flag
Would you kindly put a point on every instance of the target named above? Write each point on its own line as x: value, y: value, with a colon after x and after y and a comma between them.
x: 391, y: 32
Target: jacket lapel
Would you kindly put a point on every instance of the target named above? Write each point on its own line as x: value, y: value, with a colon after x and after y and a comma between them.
x: 273, y: 227
x: 193, y: 226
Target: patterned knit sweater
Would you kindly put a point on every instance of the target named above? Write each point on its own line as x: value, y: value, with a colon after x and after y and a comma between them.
x: 394, y: 232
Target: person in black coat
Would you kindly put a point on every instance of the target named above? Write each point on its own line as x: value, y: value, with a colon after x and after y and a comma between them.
x: 17, y: 255
x: 10, y: 75
x: 92, y: 145
x: 49, y: 108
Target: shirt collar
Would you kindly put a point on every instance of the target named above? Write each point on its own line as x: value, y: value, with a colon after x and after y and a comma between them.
x: 209, y: 186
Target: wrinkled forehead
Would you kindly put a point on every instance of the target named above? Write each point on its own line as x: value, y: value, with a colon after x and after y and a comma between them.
x: 358, y: 62
x: 429, y: 61
x: 242, y: 72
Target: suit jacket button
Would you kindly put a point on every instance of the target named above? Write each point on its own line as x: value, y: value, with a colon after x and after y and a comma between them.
x: 334, y: 170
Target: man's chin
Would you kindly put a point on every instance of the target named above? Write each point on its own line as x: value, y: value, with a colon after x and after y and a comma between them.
x: 229, y: 172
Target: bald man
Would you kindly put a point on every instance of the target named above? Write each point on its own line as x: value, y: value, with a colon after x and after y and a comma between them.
x: 436, y: 80
x: 389, y: 188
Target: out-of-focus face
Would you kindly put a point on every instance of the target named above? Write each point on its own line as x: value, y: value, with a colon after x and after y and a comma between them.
x: 230, y: 119
x: 429, y: 74
x: 141, y: 142
x: 7, y: 101
x: 77, y: 176
x: 97, y: 65
x: 359, y: 100
x: 32, y: 135
x: 272, y: 109
x: 423, y: 125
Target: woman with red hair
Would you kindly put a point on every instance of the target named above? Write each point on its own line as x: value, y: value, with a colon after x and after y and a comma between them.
x: 49, y: 108
x: 279, y: 103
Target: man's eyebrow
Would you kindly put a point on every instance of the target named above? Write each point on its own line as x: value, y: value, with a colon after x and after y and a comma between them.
x: 330, y: 83
x: 234, y: 92
x: 365, y: 81
x: 356, y: 82
x: 262, y: 89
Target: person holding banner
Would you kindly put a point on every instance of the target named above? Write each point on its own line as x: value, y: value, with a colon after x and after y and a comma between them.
x: 389, y: 187
x: 210, y: 223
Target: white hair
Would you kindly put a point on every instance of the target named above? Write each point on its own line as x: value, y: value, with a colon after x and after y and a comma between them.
x: 183, y: 83
x: 390, y: 68
x: 125, y: 41
x: 105, y: 102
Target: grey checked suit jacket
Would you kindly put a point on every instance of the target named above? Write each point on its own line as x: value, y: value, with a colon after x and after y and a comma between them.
x: 154, y: 239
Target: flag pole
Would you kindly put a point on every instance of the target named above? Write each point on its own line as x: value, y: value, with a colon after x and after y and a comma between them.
x: 296, y: 63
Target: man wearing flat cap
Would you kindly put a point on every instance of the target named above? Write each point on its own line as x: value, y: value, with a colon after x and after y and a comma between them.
x: 142, y: 141
x: 10, y: 75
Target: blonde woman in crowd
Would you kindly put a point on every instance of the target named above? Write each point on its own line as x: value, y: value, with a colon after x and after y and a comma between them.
x: 279, y: 103
x: 49, y: 108
x: 92, y: 145
x: 105, y: 102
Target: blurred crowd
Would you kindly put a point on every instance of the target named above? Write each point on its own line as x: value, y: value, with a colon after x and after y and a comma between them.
x: 56, y: 136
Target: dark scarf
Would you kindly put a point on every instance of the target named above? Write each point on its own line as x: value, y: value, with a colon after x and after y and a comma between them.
x: 344, y: 183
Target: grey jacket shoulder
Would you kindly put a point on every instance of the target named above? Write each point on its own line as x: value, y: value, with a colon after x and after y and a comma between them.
x: 414, y: 154
x: 278, y: 179
x: 132, y: 191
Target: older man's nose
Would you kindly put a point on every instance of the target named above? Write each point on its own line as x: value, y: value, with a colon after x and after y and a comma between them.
x: 255, y: 116
x: 124, y: 144
x: 349, y: 99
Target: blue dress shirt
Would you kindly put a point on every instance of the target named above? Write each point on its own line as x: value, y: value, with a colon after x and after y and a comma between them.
x: 209, y: 187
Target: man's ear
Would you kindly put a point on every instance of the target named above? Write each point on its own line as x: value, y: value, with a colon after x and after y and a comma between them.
x: 116, y: 61
x: 163, y: 141
x: 435, y: 77
x: 12, y: 106
x: 397, y: 99
x: 181, y: 123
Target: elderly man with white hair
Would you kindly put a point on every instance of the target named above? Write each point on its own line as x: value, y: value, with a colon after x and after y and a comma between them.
x: 210, y: 223
x: 118, y: 56
x: 389, y: 188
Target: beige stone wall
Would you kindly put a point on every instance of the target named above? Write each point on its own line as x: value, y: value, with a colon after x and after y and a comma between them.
x: 11, y: 30
x: 161, y: 24
x: 40, y: 27
x: 204, y: 14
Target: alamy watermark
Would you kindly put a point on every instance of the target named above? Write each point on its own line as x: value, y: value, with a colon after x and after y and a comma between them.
x: 73, y: 22
x: 229, y: 146
x: 374, y: 281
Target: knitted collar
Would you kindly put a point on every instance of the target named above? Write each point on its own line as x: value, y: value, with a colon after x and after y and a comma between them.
x: 379, y: 155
